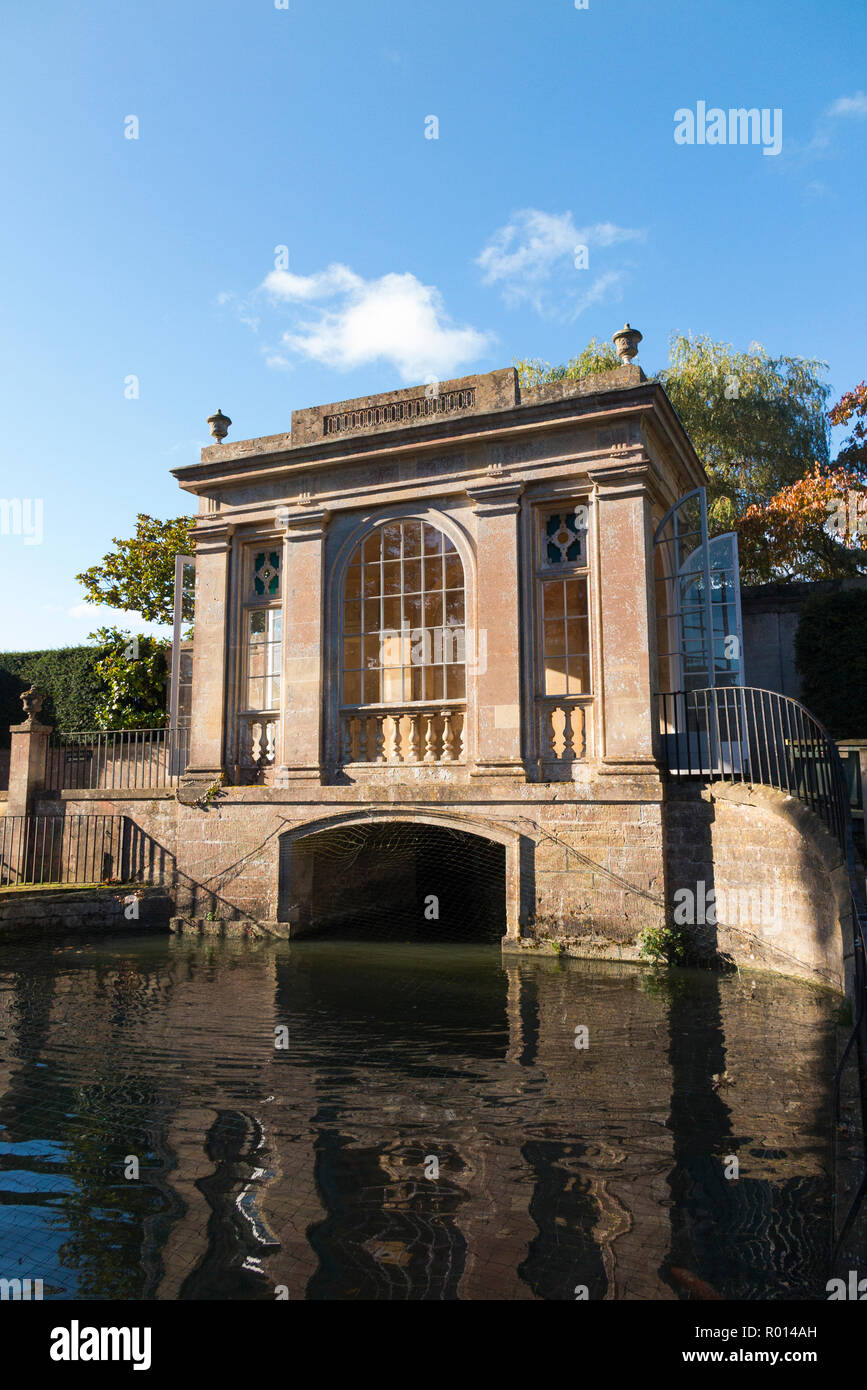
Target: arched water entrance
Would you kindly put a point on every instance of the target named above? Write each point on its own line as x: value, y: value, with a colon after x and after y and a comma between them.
x: 401, y: 880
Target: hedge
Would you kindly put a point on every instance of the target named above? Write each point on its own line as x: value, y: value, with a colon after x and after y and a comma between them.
x: 65, y: 677
x: 831, y: 657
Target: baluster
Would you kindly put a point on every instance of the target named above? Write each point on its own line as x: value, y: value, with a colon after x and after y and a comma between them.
x: 557, y: 718
x: 379, y: 738
x: 429, y: 748
x: 270, y: 740
x: 462, y: 744
x: 392, y: 752
x: 256, y: 745
x: 448, y: 753
x: 413, y: 739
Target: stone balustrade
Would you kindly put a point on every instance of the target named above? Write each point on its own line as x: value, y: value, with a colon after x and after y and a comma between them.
x: 417, y: 734
x: 257, y: 741
x: 563, y: 731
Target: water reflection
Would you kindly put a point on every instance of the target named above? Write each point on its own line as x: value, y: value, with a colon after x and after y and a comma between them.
x: 429, y: 1132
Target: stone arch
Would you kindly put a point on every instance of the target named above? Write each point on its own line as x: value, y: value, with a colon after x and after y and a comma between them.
x: 511, y: 839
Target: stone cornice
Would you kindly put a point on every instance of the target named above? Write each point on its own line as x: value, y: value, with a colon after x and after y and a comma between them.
x: 496, y: 496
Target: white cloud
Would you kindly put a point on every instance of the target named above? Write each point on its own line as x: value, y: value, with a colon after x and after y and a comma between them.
x: 532, y: 258
x: 849, y: 106
x: 395, y: 319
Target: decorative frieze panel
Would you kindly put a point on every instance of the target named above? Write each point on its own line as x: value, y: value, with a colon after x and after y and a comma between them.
x: 400, y: 412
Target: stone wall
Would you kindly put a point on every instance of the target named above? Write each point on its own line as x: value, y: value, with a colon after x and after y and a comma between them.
x: 31, y: 912
x: 779, y: 883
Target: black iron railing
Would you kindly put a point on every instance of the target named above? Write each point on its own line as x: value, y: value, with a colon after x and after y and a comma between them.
x: 62, y: 849
x: 742, y: 734
x: 117, y: 759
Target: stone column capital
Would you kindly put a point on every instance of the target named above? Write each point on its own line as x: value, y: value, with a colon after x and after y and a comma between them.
x: 496, y: 497
x: 304, y: 523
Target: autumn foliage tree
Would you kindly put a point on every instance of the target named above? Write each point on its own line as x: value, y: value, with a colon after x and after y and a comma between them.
x: 816, y: 528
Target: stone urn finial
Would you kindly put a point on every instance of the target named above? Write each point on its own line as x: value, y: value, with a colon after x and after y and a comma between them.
x: 219, y: 425
x: 626, y: 341
x: 32, y: 701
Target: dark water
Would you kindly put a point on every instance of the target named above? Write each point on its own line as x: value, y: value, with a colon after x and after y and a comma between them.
x: 431, y: 1130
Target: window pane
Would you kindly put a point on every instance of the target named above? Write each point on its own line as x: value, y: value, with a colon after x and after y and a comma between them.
x: 552, y: 593
x: 456, y: 684
x: 412, y: 538
x: 433, y: 541
x: 577, y: 636
x: 454, y: 607
x: 371, y: 652
x: 257, y: 623
x: 353, y: 583
x: 372, y: 547
x: 391, y: 577
x: 352, y: 617
x: 433, y: 610
x: 555, y: 638
x: 391, y: 614
x: 412, y: 576
x: 273, y: 693
x: 391, y: 541
x: 371, y: 580
x: 352, y: 688
x: 555, y: 676
x: 255, y: 693
x: 372, y: 614
x: 433, y: 573
x: 579, y: 675
x: 351, y: 653
x: 454, y: 572
x: 412, y: 608
x: 576, y: 597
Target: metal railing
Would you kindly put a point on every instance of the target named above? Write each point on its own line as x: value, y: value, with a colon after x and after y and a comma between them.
x: 742, y: 734
x: 117, y: 759
x: 62, y: 849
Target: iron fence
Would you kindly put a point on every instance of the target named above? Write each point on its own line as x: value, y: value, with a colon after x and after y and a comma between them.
x: 117, y: 759
x: 741, y: 734
x: 63, y: 849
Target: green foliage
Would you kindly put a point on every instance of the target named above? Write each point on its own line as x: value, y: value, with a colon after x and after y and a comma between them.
x: 132, y: 673
x: 139, y: 576
x: 831, y: 657
x: 68, y: 679
x: 596, y: 357
x: 668, y: 945
x: 757, y: 422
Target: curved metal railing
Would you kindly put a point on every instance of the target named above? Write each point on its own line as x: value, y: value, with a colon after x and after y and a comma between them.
x: 743, y: 734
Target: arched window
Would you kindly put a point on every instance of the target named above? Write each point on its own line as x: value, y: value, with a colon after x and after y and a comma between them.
x: 403, y: 618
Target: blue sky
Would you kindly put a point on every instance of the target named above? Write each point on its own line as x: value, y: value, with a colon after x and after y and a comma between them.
x: 408, y: 257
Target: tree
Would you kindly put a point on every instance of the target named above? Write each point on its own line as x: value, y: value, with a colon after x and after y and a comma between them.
x: 816, y: 528
x: 596, y: 357
x: 139, y: 576
x: 132, y: 674
x: 853, y: 454
x: 757, y: 422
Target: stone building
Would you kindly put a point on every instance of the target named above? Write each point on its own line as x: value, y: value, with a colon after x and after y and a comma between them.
x: 436, y: 607
x: 450, y: 643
